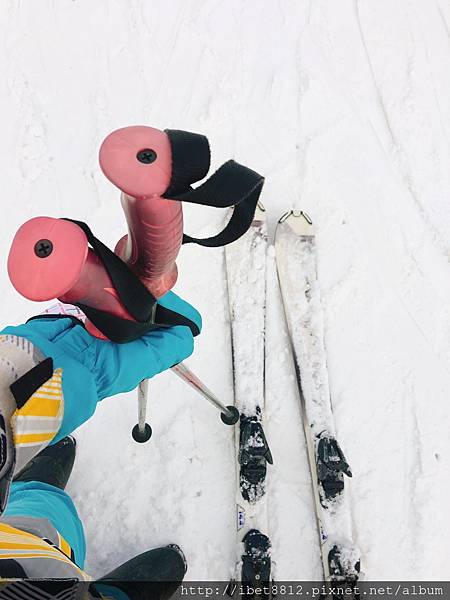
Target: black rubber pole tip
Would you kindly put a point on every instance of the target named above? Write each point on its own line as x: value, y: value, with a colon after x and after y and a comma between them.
x: 232, y: 417
x: 141, y: 436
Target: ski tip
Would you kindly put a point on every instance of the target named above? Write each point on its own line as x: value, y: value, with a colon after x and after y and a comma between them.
x: 297, y: 220
x: 260, y: 214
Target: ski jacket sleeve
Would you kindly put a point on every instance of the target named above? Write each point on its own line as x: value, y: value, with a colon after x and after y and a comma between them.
x: 93, y: 369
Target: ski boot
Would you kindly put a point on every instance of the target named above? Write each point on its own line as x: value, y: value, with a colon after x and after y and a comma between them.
x: 155, y: 574
x: 53, y: 465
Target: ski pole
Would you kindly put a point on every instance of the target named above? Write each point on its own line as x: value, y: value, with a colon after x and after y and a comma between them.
x: 155, y: 223
x: 142, y: 431
x: 155, y: 170
x: 228, y: 414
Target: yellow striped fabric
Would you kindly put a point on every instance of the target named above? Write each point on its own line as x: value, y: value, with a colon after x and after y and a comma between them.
x: 19, y: 545
x: 39, y: 420
x: 64, y: 546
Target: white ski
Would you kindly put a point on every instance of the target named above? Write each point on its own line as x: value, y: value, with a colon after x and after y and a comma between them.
x: 246, y: 276
x: 295, y: 248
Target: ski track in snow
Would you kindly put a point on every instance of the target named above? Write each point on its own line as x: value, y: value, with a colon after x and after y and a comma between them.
x: 345, y: 108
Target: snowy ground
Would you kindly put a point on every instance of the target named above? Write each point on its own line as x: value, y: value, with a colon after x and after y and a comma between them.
x: 345, y: 107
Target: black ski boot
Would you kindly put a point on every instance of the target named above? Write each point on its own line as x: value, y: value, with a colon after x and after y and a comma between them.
x: 155, y: 574
x: 53, y: 465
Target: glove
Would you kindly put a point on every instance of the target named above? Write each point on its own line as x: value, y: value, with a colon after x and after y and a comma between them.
x: 121, y: 367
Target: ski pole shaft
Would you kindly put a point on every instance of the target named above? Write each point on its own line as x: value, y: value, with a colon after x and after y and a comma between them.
x: 142, y: 431
x: 142, y: 404
x: 229, y: 414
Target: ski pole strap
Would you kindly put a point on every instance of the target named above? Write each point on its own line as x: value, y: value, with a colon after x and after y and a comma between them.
x: 133, y: 294
x: 232, y: 185
x: 122, y: 330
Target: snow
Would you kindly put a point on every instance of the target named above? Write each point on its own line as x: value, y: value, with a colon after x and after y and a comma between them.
x: 345, y: 108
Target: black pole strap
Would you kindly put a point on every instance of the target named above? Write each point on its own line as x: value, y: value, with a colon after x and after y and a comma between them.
x: 231, y: 185
x: 190, y: 160
x: 122, y: 330
x: 133, y: 294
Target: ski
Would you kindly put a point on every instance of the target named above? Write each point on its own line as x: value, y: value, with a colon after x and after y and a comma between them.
x: 246, y: 276
x: 295, y: 249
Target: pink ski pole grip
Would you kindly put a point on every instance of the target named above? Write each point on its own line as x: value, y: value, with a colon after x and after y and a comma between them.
x: 138, y: 160
x: 47, y: 257
x: 50, y: 258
